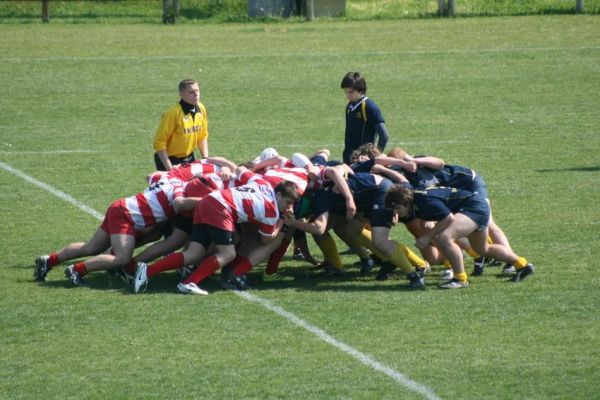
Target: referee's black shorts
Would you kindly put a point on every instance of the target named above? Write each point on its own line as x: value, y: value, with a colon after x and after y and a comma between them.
x: 174, y: 161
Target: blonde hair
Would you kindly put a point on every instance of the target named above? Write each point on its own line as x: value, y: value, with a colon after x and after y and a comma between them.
x: 397, y: 152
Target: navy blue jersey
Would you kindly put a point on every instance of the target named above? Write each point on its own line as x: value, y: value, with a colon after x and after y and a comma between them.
x: 364, y: 166
x: 436, y: 203
x: 361, y: 119
x: 423, y: 177
x: 367, y: 195
x: 455, y: 176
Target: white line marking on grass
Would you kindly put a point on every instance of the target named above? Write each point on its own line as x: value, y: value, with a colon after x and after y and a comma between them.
x: 302, y: 55
x: 48, y: 188
x: 351, y: 351
x: 17, y: 152
x: 389, y: 144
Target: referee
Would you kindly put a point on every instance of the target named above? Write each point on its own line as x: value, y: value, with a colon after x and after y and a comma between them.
x: 182, y: 129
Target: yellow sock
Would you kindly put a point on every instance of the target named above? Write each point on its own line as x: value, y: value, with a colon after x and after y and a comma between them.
x: 462, y: 277
x: 447, y: 264
x: 398, y: 258
x: 330, y: 251
x: 365, y: 240
x: 472, y: 253
x: 400, y: 261
x: 520, y: 263
x: 412, y: 257
x: 490, y: 241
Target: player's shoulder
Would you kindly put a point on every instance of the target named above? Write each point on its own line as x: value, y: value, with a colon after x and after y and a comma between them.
x: 173, y: 112
x: 370, y: 104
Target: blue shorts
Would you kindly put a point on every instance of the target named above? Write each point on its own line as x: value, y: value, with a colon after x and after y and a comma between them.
x: 479, y: 187
x: 477, y: 209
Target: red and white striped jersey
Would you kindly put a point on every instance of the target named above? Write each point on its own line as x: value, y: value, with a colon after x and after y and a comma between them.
x: 320, y: 179
x: 299, y: 176
x: 185, y: 172
x: 153, y: 205
x: 254, y: 202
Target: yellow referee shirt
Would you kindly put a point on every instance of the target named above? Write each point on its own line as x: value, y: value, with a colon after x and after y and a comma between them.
x: 180, y: 133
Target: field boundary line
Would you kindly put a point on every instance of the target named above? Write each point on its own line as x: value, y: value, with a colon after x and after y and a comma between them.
x: 498, y: 50
x: 58, y: 193
x: 17, y: 152
x: 351, y: 351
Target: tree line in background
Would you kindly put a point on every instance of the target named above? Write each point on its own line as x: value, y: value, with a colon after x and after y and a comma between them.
x: 309, y: 9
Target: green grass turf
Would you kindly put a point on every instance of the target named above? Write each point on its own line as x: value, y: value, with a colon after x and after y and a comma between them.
x: 514, y: 98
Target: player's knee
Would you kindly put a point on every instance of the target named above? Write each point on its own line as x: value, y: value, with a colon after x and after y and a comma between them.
x: 122, y: 259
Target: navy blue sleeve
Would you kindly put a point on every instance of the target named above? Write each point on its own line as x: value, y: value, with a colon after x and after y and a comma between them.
x: 374, y: 115
x: 382, y: 136
x: 363, y: 166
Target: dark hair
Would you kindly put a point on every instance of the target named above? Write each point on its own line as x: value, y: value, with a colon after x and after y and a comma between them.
x: 399, y: 195
x: 247, y: 164
x: 367, y: 149
x: 287, y: 189
x: 354, y: 80
x: 185, y: 83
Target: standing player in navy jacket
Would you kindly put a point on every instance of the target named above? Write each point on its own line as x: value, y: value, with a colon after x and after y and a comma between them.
x: 363, y: 117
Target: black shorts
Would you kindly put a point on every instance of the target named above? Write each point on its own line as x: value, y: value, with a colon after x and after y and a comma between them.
x: 382, y: 217
x: 184, y: 224
x: 174, y: 161
x: 206, y: 234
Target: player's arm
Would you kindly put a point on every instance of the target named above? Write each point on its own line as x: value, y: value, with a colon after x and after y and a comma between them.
x: 270, y: 162
x: 185, y: 203
x: 337, y: 176
x: 221, y: 162
x: 389, y: 161
x: 165, y: 128
x: 424, y: 240
x: 427, y: 162
x: 317, y: 226
x: 203, y: 147
x: 382, y: 136
x: 266, y: 239
x: 164, y: 158
x: 202, y: 140
x: 392, y: 175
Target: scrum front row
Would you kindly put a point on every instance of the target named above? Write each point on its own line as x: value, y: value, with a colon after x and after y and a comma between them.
x: 232, y: 218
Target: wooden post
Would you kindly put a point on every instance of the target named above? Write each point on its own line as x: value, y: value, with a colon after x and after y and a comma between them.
x: 442, y: 8
x: 310, y: 10
x: 451, y: 8
x: 176, y: 9
x: 45, y: 12
x: 170, y: 11
x: 579, y: 6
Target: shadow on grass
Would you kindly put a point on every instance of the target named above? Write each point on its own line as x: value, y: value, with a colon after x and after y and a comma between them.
x: 572, y: 169
x: 297, y: 278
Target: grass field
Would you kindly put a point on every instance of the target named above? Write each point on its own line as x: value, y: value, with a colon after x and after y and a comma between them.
x: 515, y: 98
